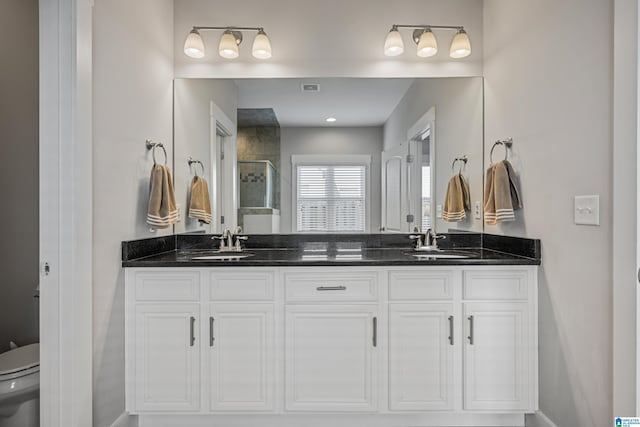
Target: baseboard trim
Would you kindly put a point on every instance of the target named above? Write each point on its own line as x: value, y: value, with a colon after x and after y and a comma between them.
x: 124, y: 420
x: 541, y: 420
x: 336, y: 420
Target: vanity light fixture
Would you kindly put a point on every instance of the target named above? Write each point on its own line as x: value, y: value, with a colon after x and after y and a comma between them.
x: 331, y: 119
x: 424, y: 37
x: 229, y: 42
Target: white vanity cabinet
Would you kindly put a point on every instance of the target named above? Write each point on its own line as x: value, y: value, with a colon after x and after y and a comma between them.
x: 167, y: 360
x: 467, y: 333
x: 451, y: 345
x: 215, y: 353
x: 500, y: 346
x: 331, y: 328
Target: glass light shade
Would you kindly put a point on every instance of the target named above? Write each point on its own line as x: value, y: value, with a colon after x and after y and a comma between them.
x: 427, y: 45
x: 261, y: 46
x: 460, y: 45
x: 228, y: 47
x: 393, y: 45
x: 193, y: 45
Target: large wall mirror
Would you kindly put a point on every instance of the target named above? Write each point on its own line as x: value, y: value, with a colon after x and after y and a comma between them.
x: 329, y: 155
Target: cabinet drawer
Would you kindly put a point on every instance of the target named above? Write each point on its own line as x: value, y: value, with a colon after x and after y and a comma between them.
x: 241, y: 285
x: 495, y: 285
x: 329, y: 286
x: 167, y: 286
x: 420, y: 285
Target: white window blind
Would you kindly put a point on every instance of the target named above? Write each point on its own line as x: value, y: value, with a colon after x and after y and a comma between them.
x: 331, y: 198
x: 426, y: 198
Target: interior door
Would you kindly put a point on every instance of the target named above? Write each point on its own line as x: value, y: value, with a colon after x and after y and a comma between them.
x: 394, y: 190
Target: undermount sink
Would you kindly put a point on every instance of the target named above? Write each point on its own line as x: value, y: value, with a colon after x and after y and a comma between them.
x: 436, y: 255
x: 221, y: 257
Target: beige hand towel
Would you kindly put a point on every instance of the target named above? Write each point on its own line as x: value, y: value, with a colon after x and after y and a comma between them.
x: 513, y: 187
x: 457, y: 200
x: 498, y: 205
x: 199, y: 204
x: 162, y: 211
x: 466, y: 194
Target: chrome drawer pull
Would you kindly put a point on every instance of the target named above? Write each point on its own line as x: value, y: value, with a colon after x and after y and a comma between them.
x: 451, y: 330
x: 193, y: 330
x: 375, y: 331
x: 331, y: 288
x: 470, y: 330
x: 211, y: 337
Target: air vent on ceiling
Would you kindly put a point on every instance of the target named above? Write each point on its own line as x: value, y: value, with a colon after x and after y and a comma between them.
x: 310, y: 87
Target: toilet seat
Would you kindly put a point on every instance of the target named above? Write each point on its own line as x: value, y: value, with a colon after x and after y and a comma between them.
x: 20, y: 362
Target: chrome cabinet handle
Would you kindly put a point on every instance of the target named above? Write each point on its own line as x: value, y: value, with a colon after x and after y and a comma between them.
x: 211, y: 337
x: 451, y: 330
x: 331, y: 288
x: 193, y: 330
x: 375, y: 332
x: 470, y: 330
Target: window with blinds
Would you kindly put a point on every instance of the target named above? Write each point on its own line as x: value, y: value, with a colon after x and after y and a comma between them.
x: 331, y: 198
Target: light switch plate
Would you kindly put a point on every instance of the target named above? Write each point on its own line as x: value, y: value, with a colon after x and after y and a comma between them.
x: 586, y: 210
x: 438, y: 211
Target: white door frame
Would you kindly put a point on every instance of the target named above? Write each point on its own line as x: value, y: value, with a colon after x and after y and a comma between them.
x: 223, y: 125
x: 425, y: 123
x: 65, y: 213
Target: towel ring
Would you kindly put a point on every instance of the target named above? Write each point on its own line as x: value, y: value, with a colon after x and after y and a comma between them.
x: 507, y: 143
x: 195, y: 170
x: 152, y: 146
x: 463, y: 161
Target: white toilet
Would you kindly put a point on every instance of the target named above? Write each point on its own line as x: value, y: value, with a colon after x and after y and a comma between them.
x: 20, y: 387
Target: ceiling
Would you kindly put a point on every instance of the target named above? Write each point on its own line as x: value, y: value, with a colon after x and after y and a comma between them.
x: 354, y: 102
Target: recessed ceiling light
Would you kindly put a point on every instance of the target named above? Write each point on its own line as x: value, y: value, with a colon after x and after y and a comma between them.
x: 331, y: 119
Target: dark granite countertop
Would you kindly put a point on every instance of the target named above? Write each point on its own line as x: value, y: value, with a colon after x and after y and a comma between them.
x: 274, y: 257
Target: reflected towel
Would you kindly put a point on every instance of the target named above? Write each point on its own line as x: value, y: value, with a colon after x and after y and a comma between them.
x: 501, y: 195
x: 516, y: 201
x: 162, y: 211
x: 457, y: 200
x: 199, y: 204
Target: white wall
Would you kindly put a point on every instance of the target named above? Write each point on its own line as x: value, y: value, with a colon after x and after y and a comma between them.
x: 329, y: 38
x: 459, y: 131
x: 132, y: 101
x: 327, y: 140
x: 625, y: 183
x: 19, y: 172
x: 548, y: 84
x: 192, y: 135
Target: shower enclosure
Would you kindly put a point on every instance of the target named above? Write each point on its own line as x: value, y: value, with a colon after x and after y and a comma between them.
x: 257, y: 210
x: 256, y: 183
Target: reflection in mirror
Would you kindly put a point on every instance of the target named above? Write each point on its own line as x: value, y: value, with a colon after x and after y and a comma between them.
x: 275, y: 164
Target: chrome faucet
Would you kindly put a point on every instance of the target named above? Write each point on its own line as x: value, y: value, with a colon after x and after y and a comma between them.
x: 426, y: 242
x: 230, y: 242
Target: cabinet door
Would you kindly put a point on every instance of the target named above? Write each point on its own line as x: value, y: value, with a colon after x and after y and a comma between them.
x: 167, y: 357
x: 241, y: 353
x: 330, y: 358
x: 421, y: 343
x: 496, y: 356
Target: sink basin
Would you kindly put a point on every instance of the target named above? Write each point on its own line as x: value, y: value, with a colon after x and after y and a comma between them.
x: 221, y: 257
x: 436, y: 255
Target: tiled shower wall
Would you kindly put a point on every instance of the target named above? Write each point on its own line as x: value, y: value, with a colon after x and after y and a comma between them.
x: 262, y: 143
